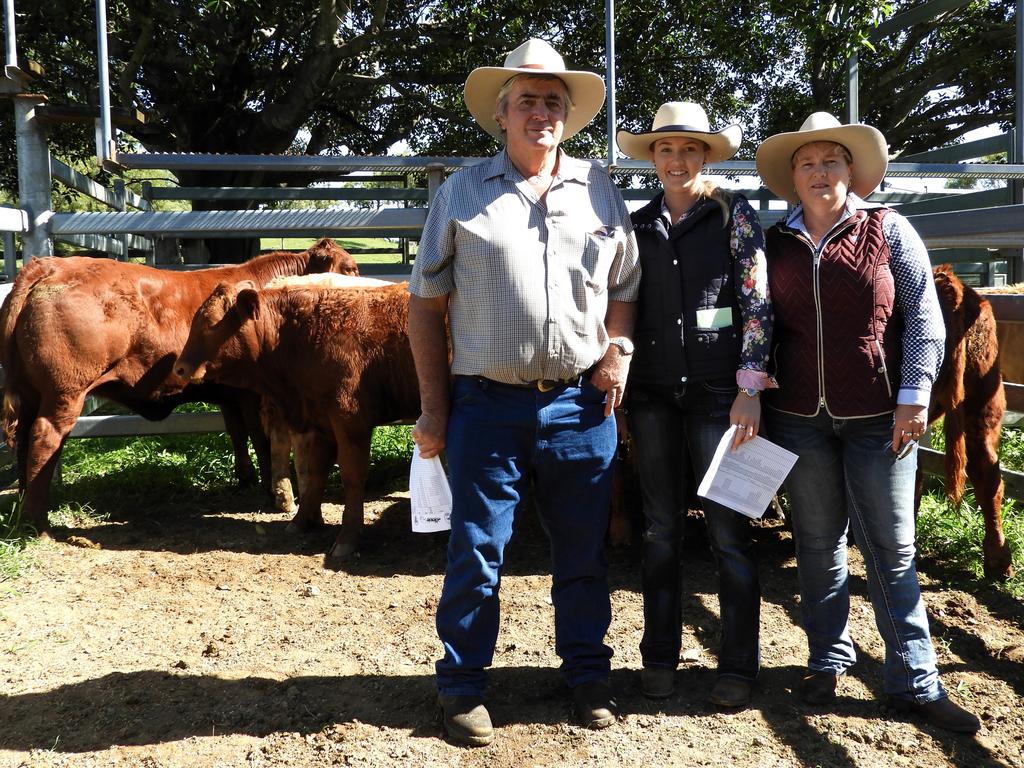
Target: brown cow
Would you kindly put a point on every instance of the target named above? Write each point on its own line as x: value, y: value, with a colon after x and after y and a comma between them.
x: 969, y: 393
x: 336, y: 361
x: 283, y: 440
x: 77, y: 326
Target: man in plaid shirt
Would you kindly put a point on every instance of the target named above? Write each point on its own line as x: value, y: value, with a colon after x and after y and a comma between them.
x: 531, y: 258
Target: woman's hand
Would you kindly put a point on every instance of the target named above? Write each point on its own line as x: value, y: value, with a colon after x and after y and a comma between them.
x: 745, y: 415
x: 909, y: 423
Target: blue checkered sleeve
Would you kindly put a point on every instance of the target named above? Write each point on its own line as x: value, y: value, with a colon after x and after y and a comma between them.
x: 924, y: 332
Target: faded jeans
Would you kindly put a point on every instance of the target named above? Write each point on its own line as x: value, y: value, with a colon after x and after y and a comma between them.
x: 846, y: 475
x: 675, y: 435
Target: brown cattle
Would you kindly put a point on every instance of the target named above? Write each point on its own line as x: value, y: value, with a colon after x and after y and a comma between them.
x: 969, y: 393
x: 1011, y: 338
x: 77, y: 326
x: 335, y: 361
x: 283, y: 440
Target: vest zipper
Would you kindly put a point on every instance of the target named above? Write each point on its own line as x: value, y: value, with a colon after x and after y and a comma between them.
x: 884, y: 370
x: 816, y: 256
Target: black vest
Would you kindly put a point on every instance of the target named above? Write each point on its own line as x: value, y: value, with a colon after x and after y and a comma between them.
x: 685, y: 269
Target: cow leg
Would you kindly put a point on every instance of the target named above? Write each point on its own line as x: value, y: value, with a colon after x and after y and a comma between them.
x: 280, y: 457
x: 22, y: 439
x: 249, y: 405
x: 317, y: 450
x: 49, y: 429
x: 305, y: 445
x: 983, y: 470
x: 353, y: 463
x: 234, y: 424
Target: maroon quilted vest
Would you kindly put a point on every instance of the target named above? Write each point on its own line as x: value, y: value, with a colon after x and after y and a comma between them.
x: 837, y: 334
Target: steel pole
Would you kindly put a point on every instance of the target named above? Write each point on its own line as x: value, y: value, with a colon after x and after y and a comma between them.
x: 853, y: 89
x: 12, y: 46
x: 1016, y: 257
x: 106, y: 142
x: 609, y: 45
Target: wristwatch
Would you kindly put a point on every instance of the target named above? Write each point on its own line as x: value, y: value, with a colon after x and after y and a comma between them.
x: 750, y: 391
x: 625, y: 345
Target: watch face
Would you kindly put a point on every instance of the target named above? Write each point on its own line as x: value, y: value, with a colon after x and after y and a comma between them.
x: 749, y: 392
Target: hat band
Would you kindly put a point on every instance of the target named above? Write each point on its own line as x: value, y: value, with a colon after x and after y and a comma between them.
x: 689, y: 128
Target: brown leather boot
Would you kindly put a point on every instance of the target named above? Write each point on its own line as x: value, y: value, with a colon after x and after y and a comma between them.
x: 466, y: 720
x: 819, y: 687
x: 941, y: 713
x: 594, y: 704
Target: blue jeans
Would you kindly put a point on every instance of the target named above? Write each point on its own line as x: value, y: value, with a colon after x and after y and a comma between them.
x: 675, y: 436
x: 846, y: 475
x: 500, y: 440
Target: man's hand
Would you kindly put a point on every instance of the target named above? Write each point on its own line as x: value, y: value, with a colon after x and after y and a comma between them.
x: 610, y: 377
x: 429, y: 434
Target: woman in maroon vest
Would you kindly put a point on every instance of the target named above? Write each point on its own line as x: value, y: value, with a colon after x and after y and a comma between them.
x: 702, y: 334
x: 858, y: 341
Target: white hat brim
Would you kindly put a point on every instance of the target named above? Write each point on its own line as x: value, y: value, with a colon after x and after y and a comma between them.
x: 586, y: 89
x: 866, y: 145
x: 722, y: 144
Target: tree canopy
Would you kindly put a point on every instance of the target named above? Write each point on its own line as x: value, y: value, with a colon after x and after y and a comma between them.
x: 329, y: 76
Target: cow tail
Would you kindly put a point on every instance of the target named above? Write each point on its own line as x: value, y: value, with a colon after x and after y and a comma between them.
x: 956, y: 446
x: 27, y: 278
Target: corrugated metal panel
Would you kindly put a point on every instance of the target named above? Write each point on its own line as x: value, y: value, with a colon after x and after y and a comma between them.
x: 312, y: 222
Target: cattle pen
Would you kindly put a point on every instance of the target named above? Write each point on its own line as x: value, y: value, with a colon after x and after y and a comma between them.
x: 977, y: 229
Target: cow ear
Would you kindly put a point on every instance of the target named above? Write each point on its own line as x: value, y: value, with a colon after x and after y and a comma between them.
x: 248, y: 304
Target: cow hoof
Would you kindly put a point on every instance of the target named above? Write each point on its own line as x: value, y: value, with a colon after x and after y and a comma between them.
x: 343, y: 549
x: 999, y: 568
x: 298, y: 525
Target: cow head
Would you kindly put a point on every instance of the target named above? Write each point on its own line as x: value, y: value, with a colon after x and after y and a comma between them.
x: 216, y: 322
x: 327, y: 256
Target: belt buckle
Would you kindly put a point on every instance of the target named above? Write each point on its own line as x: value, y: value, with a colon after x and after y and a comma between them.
x: 546, y: 385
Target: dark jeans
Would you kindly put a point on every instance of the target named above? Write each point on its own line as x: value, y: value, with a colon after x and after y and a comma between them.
x: 499, y: 439
x: 672, y: 434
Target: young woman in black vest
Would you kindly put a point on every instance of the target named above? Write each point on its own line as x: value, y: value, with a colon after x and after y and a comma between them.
x: 702, y: 336
x: 859, y: 339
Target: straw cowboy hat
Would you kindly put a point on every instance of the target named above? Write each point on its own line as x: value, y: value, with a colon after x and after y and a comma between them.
x: 534, y: 57
x: 866, y: 145
x: 682, y: 119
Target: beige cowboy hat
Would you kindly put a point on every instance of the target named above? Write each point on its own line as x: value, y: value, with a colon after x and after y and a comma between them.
x: 683, y: 119
x: 534, y: 57
x: 866, y: 145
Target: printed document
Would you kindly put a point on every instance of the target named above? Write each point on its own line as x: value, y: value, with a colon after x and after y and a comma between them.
x: 746, y: 480
x: 430, y: 495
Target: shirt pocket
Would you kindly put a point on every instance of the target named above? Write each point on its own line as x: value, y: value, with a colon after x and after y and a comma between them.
x: 598, y: 254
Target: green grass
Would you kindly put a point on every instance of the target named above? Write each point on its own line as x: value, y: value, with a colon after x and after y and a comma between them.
x: 153, y: 476
x: 354, y: 244
x: 15, y: 547
x: 954, y: 536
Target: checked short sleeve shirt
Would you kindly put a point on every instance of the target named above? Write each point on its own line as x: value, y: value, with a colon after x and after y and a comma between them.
x: 528, y: 281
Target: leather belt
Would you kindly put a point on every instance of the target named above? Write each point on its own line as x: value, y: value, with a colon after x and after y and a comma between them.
x: 542, y: 385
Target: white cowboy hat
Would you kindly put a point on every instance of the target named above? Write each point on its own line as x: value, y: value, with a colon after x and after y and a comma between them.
x: 686, y: 120
x: 534, y: 57
x: 866, y: 145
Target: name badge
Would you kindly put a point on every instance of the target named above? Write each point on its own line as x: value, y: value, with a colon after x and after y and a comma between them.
x: 714, y: 319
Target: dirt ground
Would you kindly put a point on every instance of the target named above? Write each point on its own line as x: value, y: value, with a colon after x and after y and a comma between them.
x: 216, y: 639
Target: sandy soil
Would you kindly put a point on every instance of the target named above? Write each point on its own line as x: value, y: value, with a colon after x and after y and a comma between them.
x: 216, y: 639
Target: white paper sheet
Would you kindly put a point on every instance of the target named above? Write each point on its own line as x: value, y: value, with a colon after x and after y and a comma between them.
x: 746, y: 480
x: 429, y: 493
